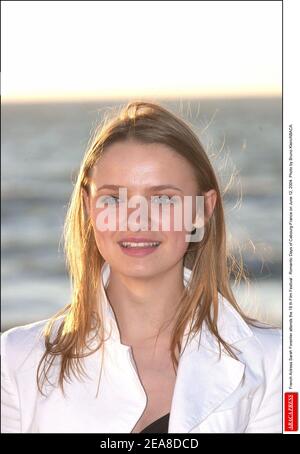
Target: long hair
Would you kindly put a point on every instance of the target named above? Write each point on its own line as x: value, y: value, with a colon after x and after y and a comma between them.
x: 67, y: 332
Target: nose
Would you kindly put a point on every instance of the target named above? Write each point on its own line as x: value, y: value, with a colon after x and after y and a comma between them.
x: 137, y: 213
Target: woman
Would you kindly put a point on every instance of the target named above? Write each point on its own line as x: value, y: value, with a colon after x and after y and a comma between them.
x: 153, y: 339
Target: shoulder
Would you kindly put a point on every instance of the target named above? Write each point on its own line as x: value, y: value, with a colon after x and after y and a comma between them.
x: 266, y: 345
x: 259, y: 349
x: 267, y: 338
x: 256, y: 340
x: 18, y: 343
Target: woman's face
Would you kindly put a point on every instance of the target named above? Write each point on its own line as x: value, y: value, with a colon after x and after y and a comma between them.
x: 144, y: 170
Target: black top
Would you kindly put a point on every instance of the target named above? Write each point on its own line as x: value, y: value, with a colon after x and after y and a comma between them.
x: 161, y: 425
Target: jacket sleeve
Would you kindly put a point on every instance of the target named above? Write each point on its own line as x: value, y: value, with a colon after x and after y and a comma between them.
x: 268, y: 418
x: 10, y: 407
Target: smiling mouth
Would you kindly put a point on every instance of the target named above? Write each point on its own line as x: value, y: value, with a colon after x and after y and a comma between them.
x: 136, y: 245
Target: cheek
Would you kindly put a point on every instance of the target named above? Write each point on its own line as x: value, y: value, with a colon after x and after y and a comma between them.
x: 176, y: 243
x: 103, y: 238
x: 172, y: 218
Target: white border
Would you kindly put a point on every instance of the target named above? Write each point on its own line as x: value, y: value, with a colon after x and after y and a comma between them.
x: 291, y: 81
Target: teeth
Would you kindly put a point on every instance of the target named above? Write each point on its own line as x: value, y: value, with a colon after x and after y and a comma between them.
x: 127, y: 244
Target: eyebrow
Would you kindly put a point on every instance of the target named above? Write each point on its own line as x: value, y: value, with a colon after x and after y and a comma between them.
x: 157, y: 188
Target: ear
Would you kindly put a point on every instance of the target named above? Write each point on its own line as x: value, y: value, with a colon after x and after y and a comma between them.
x: 210, y: 199
x: 86, y: 201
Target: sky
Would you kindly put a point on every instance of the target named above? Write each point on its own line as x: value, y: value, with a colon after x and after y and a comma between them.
x: 114, y: 49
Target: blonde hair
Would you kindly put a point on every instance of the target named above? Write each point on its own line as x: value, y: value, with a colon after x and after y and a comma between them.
x: 209, y: 259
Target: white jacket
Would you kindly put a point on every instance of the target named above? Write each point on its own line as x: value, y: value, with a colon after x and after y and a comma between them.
x: 210, y: 395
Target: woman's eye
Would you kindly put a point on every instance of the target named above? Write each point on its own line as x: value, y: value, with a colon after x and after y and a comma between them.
x: 110, y: 200
x: 162, y: 199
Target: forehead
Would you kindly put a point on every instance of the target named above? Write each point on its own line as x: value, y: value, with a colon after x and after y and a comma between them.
x: 136, y: 164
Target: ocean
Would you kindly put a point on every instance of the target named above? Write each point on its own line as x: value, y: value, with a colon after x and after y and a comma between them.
x: 42, y: 147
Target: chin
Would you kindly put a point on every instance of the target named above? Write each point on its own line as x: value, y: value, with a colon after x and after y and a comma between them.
x: 138, y: 270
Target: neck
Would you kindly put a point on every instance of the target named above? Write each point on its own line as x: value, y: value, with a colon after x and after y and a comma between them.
x: 145, y: 308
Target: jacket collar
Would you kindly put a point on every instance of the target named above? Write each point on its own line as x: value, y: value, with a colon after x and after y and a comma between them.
x: 204, y: 379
